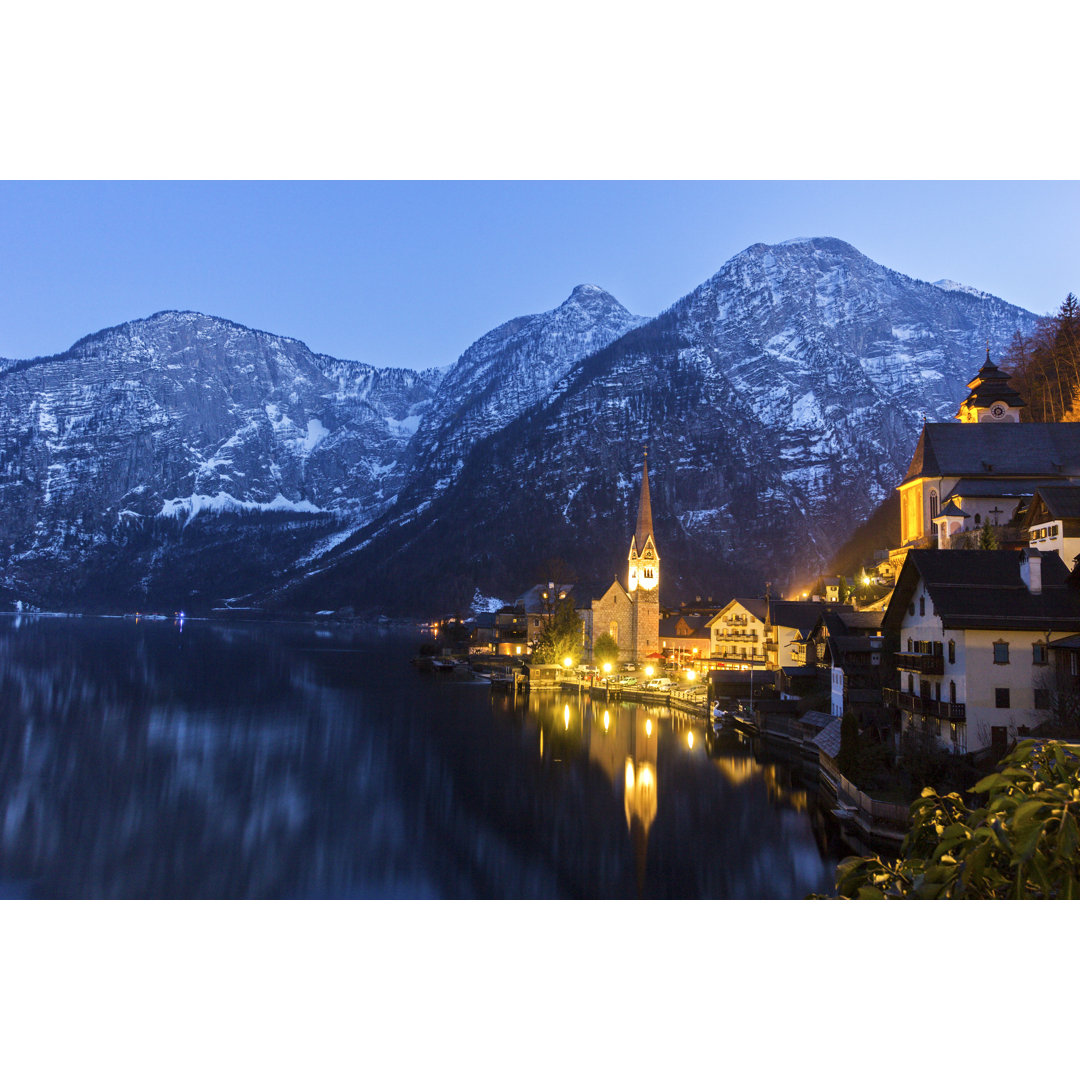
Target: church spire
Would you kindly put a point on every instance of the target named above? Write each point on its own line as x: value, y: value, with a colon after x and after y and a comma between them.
x: 644, y: 514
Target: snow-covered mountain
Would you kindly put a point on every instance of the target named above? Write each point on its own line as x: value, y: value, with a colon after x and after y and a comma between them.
x: 184, y: 454
x: 780, y: 400
x: 119, y: 457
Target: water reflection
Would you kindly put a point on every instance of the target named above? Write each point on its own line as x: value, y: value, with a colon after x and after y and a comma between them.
x: 209, y: 760
x: 730, y: 826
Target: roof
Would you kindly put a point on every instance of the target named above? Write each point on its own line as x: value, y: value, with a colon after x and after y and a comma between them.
x: 817, y: 719
x: 950, y: 509
x: 983, y: 590
x: 828, y: 741
x: 757, y: 606
x: 966, y: 488
x: 1060, y: 500
x: 802, y: 615
x: 860, y: 620
x: 696, y: 624
x: 996, y: 449
x: 989, y: 385
x: 644, y: 515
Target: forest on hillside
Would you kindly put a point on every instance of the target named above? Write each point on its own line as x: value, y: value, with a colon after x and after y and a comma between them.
x: 1045, y: 366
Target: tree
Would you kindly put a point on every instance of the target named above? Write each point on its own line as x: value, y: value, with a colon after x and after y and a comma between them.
x: 1023, y: 844
x: 847, y: 759
x: 606, y: 650
x: 988, y: 540
x: 561, y: 636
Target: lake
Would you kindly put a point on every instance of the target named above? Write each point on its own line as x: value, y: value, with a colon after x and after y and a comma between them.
x: 200, y: 759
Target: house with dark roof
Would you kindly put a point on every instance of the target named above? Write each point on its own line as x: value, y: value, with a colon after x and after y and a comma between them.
x: 685, y: 639
x: 969, y: 632
x: 788, y: 626
x: 1052, y: 521
x: 847, y: 647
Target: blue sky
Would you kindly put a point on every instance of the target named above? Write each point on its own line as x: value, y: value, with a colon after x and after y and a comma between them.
x: 410, y: 273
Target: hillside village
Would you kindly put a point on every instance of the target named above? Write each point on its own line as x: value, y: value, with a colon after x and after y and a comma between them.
x: 944, y: 650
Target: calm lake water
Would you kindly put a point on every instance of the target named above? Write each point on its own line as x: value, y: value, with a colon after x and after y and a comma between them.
x: 215, y: 760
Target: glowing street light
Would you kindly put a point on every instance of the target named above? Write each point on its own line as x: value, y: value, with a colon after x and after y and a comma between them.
x: 567, y: 661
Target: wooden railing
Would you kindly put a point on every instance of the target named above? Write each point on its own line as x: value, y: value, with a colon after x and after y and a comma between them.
x: 893, y: 813
x: 923, y: 663
x: 913, y: 703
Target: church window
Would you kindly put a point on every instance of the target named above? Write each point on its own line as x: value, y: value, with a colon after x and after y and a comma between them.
x: 922, y: 605
x: 952, y: 692
x: 933, y: 504
x: 952, y: 652
x: 647, y: 572
x: 613, y: 630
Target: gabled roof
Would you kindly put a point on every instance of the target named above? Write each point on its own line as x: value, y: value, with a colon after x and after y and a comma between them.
x: 1054, y: 502
x: 755, y: 605
x: 860, y: 620
x: 988, y: 450
x: 983, y: 590
x: 801, y: 615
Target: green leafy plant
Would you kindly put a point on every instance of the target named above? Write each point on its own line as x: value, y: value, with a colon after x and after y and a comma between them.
x: 606, y: 650
x: 1022, y: 845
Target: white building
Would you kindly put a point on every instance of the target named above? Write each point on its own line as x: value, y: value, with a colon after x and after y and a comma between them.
x: 971, y: 630
x: 737, y: 634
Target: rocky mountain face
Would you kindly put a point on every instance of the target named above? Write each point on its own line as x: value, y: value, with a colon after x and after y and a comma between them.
x: 184, y: 456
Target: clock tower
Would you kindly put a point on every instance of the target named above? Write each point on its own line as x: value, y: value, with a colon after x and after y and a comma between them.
x: 991, y: 398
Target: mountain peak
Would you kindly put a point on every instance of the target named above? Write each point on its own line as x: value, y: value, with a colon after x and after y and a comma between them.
x: 590, y: 294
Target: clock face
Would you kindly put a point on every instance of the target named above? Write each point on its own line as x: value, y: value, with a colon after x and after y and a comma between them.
x: 997, y: 410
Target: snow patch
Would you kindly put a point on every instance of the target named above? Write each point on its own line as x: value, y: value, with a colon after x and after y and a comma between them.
x: 189, y: 508
x: 315, y: 435
x: 485, y: 604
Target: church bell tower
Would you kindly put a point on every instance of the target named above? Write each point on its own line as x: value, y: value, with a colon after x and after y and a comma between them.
x: 643, y: 577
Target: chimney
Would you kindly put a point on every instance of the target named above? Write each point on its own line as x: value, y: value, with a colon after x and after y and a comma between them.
x: 1031, y: 570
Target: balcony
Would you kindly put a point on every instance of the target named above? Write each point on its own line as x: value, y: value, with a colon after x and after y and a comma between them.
x: 912, y: 703
x: 923, y: 663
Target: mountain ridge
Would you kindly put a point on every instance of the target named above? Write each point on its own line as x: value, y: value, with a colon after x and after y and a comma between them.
x: 789, y: 382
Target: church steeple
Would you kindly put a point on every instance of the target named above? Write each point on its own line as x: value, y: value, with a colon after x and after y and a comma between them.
x: 644, y: 567
x: 644, y: 513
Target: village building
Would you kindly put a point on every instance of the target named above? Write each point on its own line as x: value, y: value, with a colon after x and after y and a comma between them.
x: 631, y: 613
x: 685, y: 640
x: 848, y: 648
x: 1052, y: 521
x: 737, y: 634
x: 971, y: 633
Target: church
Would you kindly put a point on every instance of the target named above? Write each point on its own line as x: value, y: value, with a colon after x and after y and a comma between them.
x: 631, y: 614
x: 983, y: 469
